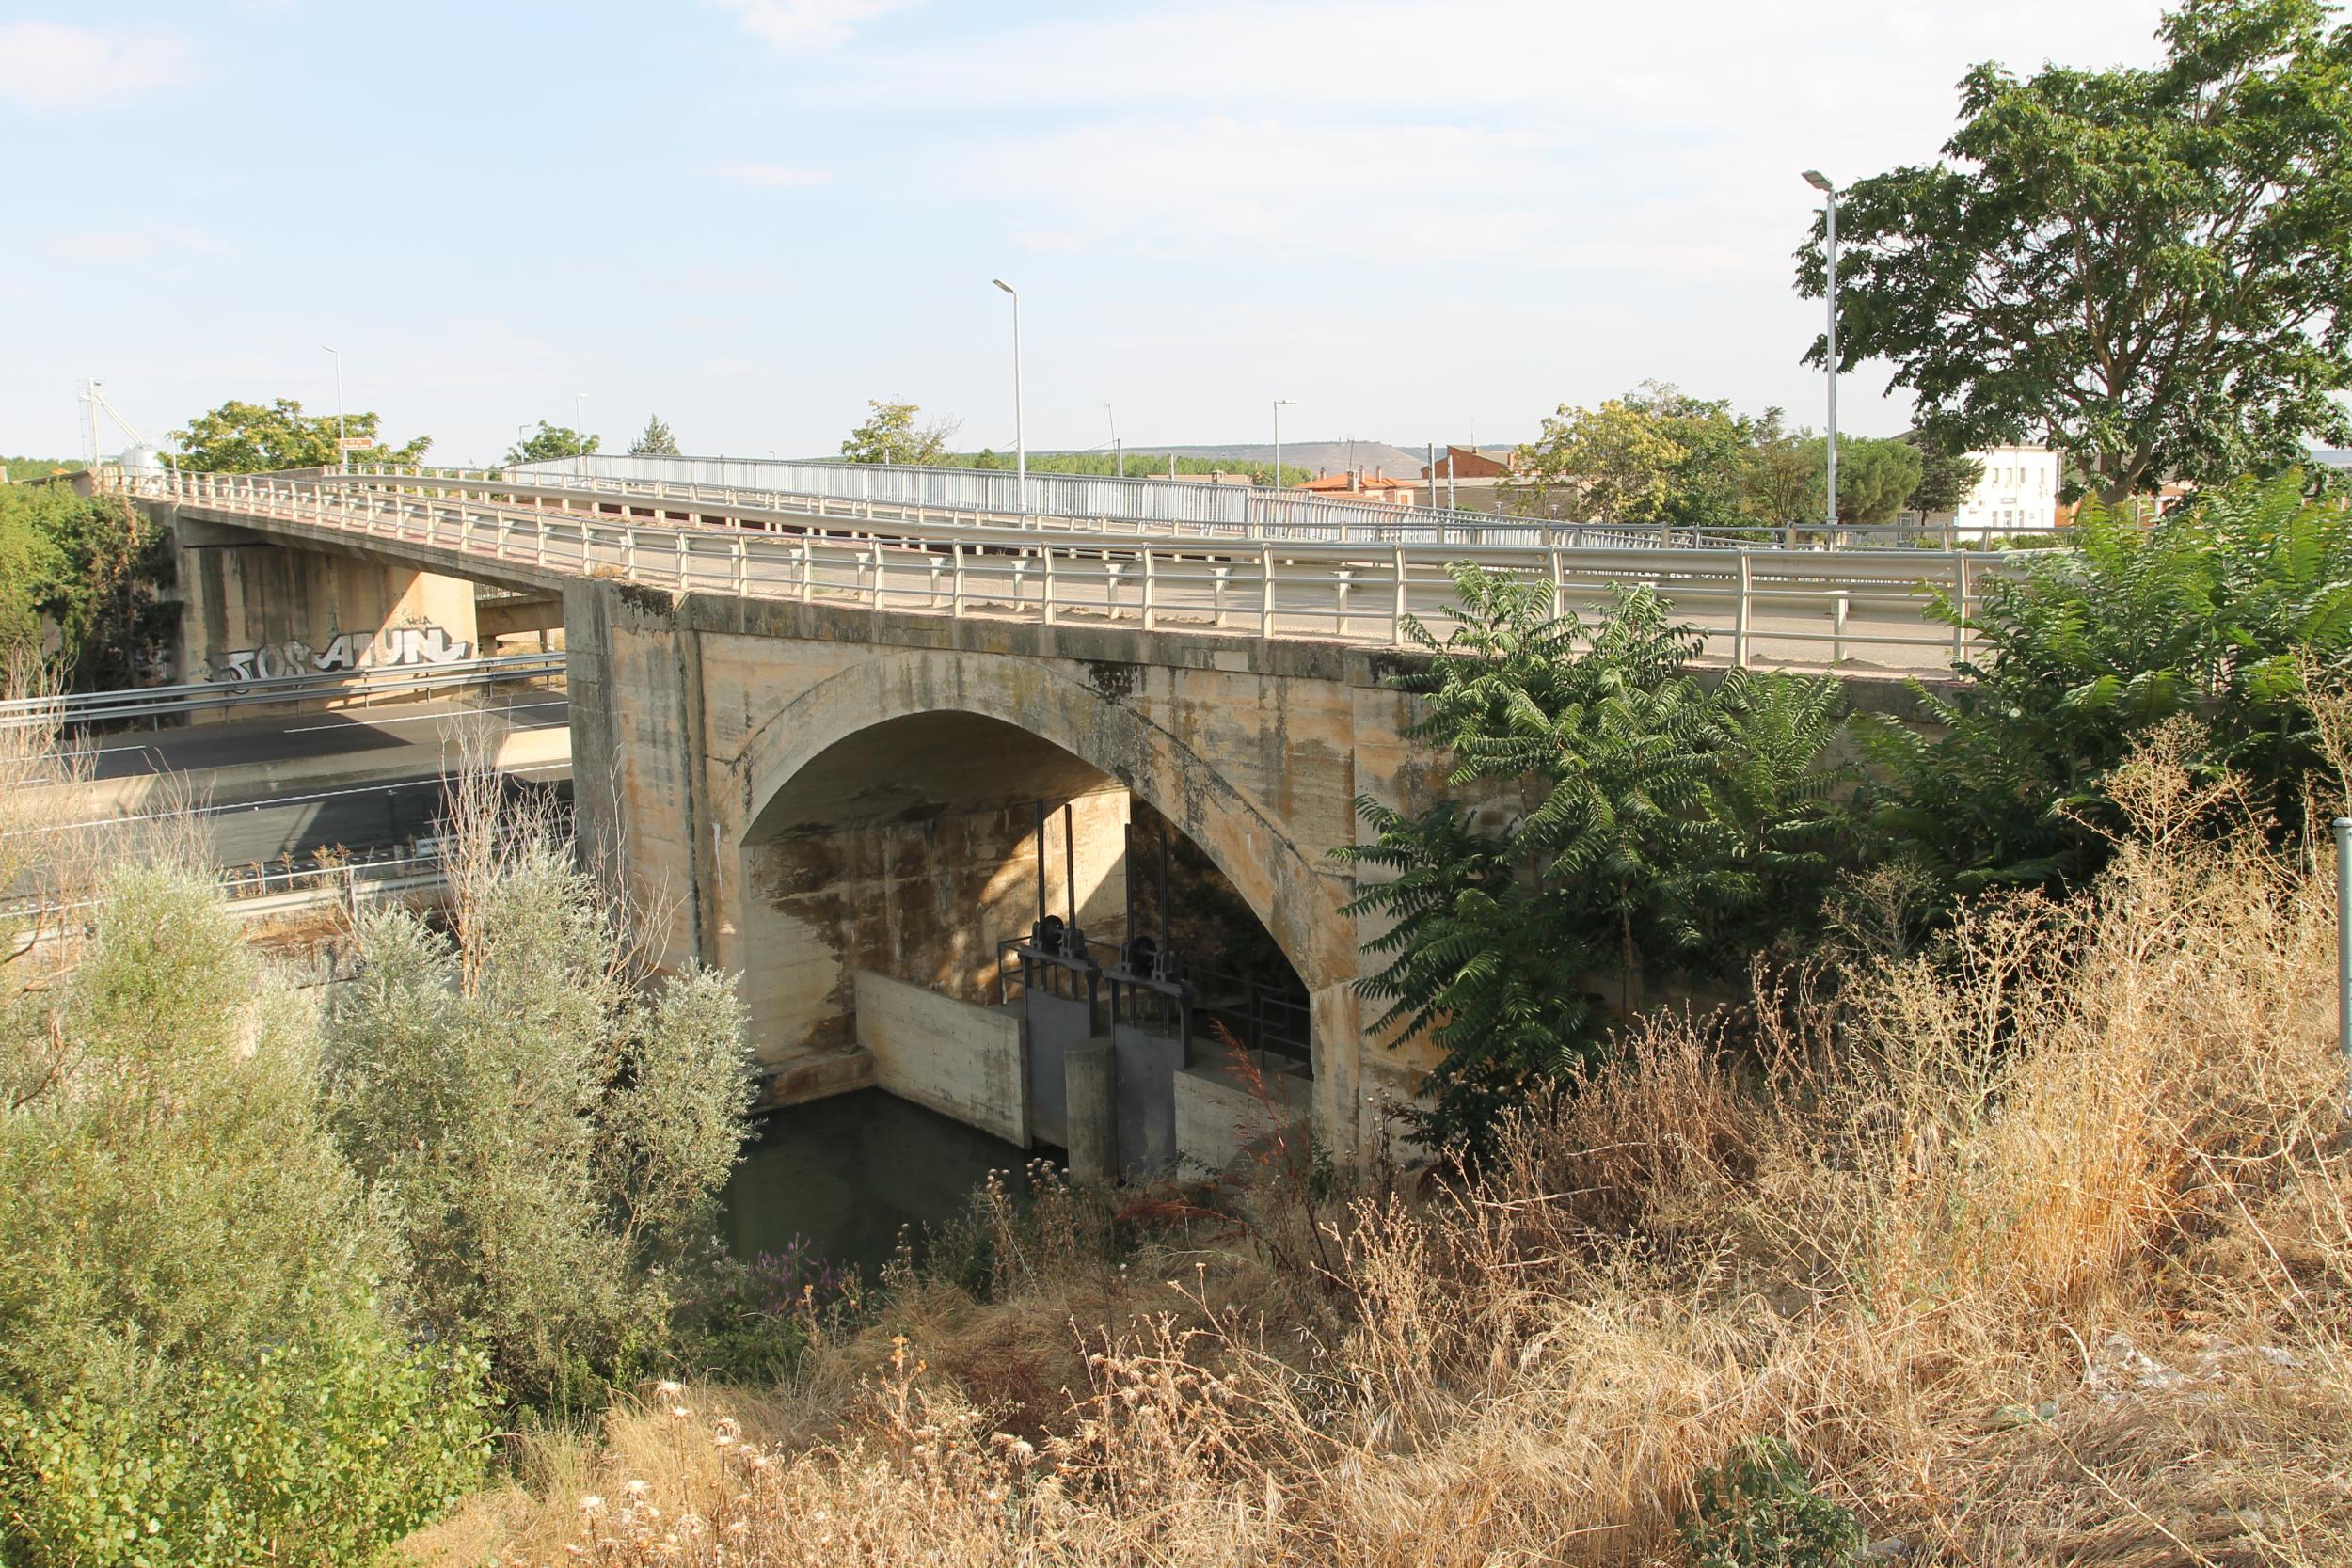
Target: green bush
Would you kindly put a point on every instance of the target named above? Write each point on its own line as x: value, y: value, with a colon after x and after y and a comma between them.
x: 548, y: 1136
x: 2214, y: 613
x: 196, y: 1364
x: 1623, y: 824
x: 1760, y: 1509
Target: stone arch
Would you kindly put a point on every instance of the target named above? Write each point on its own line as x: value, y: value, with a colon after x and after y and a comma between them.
x: 1291, y: 893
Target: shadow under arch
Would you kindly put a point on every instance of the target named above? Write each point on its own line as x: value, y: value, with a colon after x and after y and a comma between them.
x: 814, y: 763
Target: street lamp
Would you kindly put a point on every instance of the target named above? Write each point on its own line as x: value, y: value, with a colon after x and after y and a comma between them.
x: 1020, y: 446
x: 342, y: 453
x: 580, y: 434
x: 1119, y: 453
x: 1280, y: 403
x: 1820, y: 181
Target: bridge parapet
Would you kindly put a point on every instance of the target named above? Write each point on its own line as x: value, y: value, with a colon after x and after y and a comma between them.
x: 1752, y: 604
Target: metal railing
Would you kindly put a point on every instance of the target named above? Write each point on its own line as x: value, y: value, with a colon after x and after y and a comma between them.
x: 1752, y: 605
x: 1097, y: 503
x: 158, y: 702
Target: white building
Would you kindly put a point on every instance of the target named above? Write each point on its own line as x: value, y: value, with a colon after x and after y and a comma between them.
x: 2017, y: 494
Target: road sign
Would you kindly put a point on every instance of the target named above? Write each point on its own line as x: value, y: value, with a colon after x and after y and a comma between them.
x: 355, y: 443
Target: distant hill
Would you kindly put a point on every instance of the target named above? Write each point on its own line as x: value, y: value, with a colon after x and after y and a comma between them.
x: 1316, y: 457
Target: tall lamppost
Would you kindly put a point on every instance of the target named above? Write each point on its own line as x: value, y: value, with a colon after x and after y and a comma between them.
x: 1119, y: 453
x: 342, y: 453
x: 580, y: 434
x: 1280, y: 403
x: 1020, y: 444
x: 1820, y: 181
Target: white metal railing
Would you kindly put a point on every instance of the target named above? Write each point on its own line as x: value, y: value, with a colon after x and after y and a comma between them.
x: 157, y: 703
x: 1753, y: 604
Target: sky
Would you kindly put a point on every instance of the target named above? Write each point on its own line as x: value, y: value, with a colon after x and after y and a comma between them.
x: 1417, y: 222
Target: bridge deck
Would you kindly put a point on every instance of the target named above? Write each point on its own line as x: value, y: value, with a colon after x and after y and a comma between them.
x: 1863, y: 609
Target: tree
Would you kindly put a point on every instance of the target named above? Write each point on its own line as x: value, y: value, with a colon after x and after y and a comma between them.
x: 199, y: 1362
x: 1613, y: 464
x: 1946, y: 478
x: 2222, y: 611
x: 2149, y: 265
x: 1620, y: 824
x: 548, y: 443
x: 249, y: 439
x: 654, y: 440
x: 1780, y: 475
x: 548, y: 1128
x: 1874, y: 477
x: 890, y: 434
x: 1657, y: 454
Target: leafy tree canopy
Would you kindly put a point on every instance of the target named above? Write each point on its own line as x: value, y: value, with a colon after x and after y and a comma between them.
x: 550, y: 442
x: 2149, y: 264
x: 251, y: 439
x: 1618, y: 822
x: 654, y: 440
x: 891, y: 434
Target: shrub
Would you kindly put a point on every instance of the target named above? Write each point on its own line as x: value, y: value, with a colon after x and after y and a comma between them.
x: 548, y: 1133
x: 194, y: 1362
x: 1760, y: 1509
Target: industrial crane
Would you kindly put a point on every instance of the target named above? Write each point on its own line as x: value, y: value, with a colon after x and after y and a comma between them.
x: 95, y: 396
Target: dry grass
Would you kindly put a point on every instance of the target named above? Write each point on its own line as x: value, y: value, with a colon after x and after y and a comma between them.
x: 2038, y: 1250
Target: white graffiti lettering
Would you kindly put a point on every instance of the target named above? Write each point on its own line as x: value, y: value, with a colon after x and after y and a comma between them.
x: 390, y: 647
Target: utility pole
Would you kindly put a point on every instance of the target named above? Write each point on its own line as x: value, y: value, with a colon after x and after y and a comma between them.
x: 580, y: 434
x: 1280, y: 403
x: 1118, y: 460
x: 1020, y: 443
x: 342, y: 451
x: 1820, y: 182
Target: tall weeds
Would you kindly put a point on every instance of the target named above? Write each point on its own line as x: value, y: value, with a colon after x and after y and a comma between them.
x: 2036, y: 1249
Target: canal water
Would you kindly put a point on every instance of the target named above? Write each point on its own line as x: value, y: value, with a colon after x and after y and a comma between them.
x: 844, y: 1175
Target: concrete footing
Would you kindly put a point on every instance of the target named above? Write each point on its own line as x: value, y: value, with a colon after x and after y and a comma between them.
x: 1093, y: 1131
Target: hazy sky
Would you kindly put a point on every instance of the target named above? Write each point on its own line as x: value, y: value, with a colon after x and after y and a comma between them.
x: 1418, y: 221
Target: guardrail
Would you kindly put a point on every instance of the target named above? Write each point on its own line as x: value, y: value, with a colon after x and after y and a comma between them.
x: 158, y: 702
x: 1095, y: 503
x: 1752, y: 605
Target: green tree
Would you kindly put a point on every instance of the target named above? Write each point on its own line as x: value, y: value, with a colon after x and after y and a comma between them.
x: 654, y: 440
x: 2149, y: 264
x: 548, y: 443
x: 1606, y: 821
x: 1616, y: 463
x: 548, y: 1131
x: 891, y: 434
x: 2220, y: 611
x: 1874, y: 477
x: 1780, y: 476
x: 1946, y: 478
x: 108, y: 596
x: 199, y: 1360
x: 249, y: 437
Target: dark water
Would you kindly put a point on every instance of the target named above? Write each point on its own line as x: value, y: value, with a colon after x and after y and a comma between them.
x: 847, y: 1173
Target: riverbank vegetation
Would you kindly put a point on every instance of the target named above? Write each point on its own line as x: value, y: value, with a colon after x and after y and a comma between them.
x: 2003, y: 1211
x: 2033, y: 1246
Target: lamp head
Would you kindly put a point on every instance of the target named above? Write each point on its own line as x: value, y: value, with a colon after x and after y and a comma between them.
x: 1819, y: 181
x: 1007, y: 287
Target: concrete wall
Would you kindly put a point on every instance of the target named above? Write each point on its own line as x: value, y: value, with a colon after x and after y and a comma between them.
x: 924, y: 901
x: 956, y: 1059
x: 257, y: 609
x: 1216, y: 1118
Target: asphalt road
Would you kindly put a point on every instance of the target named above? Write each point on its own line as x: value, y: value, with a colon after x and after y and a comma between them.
x: 252, y: 817
x: 418, y: 728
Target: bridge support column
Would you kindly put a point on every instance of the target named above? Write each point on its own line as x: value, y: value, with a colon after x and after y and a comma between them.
x: 255, y: 608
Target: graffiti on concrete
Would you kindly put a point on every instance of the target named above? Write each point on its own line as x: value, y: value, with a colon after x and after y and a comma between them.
x: 392, y: 645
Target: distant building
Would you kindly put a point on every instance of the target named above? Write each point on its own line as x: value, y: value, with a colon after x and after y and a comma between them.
x: 1471, y: 479
x: 2017, y: 494
x: 1357, y: 485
